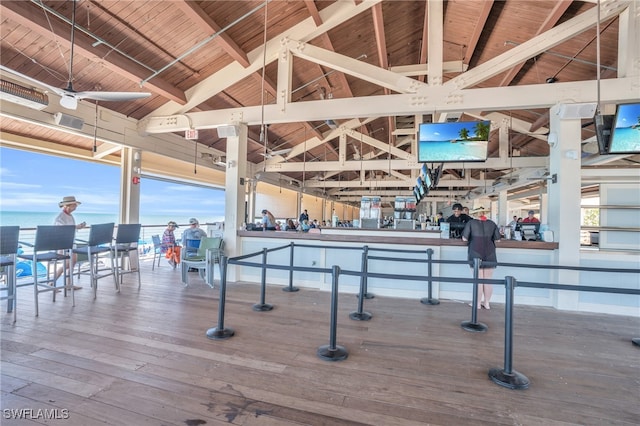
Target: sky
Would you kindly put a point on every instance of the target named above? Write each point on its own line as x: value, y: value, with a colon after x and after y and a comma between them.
x: 37, y: 182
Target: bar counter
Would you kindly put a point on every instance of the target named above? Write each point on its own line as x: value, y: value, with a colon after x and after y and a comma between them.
x: 388, y: 236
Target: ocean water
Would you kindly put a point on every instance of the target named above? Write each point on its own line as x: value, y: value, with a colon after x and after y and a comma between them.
x: 151, y: 224
x: 33, y: 219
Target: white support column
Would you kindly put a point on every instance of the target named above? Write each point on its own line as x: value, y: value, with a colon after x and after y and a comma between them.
x: 435, y: 52
x: 130, y: 167
x: 235, y: 191
x: 564, y: 201
x: 629, y: 41
x: 503, y: 209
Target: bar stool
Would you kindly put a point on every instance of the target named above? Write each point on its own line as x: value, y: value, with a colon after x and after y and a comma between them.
x: 127, y: 238
x: 8, y: 251
x: 53, y: 244
x: 99, y: 243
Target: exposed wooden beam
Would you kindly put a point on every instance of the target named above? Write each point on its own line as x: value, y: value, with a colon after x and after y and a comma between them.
x: 21, y: 13
x: 554, y: 16
x: 483, y: 15
x: 201, y: 19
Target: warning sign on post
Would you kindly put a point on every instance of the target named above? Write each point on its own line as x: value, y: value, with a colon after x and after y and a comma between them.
x: 191, y: 134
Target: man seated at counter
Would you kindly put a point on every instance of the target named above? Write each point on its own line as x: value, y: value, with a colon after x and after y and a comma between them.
x: 457, y: 220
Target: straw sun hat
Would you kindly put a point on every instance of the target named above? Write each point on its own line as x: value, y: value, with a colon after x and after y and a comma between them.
x: 68, y: 200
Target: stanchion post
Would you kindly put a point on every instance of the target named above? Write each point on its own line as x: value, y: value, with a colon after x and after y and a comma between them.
x: 508, y: 377
x: 474, y: 325
x: 360, y: 315
x: 333, y: 352
x: 219, y: 332
x: 364, y: 279
x: 262, y: 306
x: 291, y: 288
x: 429, y: 300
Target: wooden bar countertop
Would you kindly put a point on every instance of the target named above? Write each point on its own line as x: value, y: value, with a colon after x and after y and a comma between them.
x: 350, y: 235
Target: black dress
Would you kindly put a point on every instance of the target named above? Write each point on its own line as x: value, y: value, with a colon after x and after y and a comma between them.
x: 482, y: 235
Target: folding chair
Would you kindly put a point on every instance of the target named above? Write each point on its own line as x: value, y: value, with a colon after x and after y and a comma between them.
x: 99, y: 243
x: 8, y: 251
x: 127, y: 238
x: 53, y: 244
x: 208, y: 254
x: 157, y: 250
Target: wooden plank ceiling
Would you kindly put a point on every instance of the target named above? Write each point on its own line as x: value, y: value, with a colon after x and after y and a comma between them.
x: 119, y: 44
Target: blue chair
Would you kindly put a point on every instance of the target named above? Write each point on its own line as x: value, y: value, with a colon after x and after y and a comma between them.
x: 99, y: 243
x: 8, y: 250
x: 126, y: 242
x: 53, y: 245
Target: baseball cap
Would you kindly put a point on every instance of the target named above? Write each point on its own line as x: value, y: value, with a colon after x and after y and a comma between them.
x: 457, y: 206
x: 193, y: 220
x: 530, y: 212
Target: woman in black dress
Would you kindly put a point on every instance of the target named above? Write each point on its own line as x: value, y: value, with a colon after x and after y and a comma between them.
x: 482, y: 235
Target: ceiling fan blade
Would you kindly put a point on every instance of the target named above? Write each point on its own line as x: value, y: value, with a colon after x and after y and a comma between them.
x: 111, y: 96
x: 281, y: 151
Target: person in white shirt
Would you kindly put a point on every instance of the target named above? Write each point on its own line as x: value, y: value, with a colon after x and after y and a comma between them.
x: 68, y: 205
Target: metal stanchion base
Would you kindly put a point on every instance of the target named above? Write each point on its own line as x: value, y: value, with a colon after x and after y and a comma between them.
x: 290, y: 289
x: 477, y: 327
x: 367, y: 295
x: 429, y: 301
x: 220, y: 334
x: 328, y: 354
x: 514, y: 380
x: 360, y: 316
x: 262, y: 307
x: 636, y: 341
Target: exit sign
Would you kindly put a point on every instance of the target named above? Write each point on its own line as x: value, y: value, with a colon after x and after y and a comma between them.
x: 191, y: 134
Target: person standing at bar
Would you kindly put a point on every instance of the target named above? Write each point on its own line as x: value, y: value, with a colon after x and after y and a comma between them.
x: 482, y: 235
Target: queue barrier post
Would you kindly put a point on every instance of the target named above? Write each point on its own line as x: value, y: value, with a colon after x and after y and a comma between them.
x: 429, y: 300
x: 508, y: 377
x: 262, y: 306
x: 360, y: 314
x: 333, y: 352
x: 474, y: 325
x: 290, y: 288
x: 220, y: 332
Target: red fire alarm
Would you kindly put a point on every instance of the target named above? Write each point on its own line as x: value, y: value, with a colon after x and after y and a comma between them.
x: 135, y: 180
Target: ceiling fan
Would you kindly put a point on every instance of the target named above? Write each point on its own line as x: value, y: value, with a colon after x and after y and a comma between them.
x: 68, y: 96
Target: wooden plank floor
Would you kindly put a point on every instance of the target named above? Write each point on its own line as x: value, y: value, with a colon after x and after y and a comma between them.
x: 142, y: 358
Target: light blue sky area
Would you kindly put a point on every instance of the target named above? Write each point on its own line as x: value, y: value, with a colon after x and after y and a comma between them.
x: 37, y: 182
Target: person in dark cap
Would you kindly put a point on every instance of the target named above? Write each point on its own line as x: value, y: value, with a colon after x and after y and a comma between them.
x: 457, y: 221
x: 530, y: 218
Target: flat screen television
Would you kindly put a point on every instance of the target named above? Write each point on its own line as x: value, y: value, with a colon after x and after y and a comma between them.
x: 420, y: 186
x: 416, y: 194
x: 453, y: 142
x: 625, y: 135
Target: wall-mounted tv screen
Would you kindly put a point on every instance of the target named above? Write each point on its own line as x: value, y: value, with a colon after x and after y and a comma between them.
x: 420, y: 187
x: 452, y: 142
x: 625, y: 136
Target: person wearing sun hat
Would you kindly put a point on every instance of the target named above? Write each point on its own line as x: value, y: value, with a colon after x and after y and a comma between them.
x: 193, y: 232
x: 68, y: 206
x: 169, y: 247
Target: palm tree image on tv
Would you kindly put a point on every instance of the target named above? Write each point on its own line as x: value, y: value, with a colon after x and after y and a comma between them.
x: 481, y: 132
x: 455, y: 141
